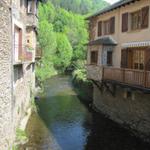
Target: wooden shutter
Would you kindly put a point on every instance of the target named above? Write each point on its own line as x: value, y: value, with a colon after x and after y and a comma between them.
x: 145, y: 17
x: 147, y: 59
x: 125, y: 22
x: 112, y: 25
x: 124, y: 58
x: 99, y: 28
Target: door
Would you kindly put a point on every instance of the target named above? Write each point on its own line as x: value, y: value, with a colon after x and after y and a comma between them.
x: 139, y: 59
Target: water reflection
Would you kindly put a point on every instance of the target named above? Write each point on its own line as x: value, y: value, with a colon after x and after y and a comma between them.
x: 64, y: 123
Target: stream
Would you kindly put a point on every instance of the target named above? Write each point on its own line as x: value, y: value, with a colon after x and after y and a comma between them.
x: 63, y: 122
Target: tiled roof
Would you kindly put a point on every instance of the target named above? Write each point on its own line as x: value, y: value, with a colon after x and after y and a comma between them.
x: 112, y: 7
x: 103, y: 41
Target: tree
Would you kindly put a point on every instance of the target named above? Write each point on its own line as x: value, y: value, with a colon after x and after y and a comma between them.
x: 63, y: 52
x: 46, y: 12
x: 47, y: 41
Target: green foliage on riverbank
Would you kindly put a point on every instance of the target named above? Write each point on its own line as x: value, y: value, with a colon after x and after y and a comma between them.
x: 62, y: 35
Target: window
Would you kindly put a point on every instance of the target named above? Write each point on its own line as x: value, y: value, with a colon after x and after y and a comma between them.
x: 18, y: 72
x: 136, y: 20
x: 94, y: 57
x: 133, y: 59
x: 138, y: 59
x: 109, y: 58
x: 17, y: 43
x: 109, y: 26
x: 31, y: 7
x: 99, y: 28
x: 106, y: 27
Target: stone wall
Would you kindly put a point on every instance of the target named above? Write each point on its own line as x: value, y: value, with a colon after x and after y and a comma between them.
x: 92, y: 28
x: 15, y: 95
x: 5, y: 76
x: 131, y: 108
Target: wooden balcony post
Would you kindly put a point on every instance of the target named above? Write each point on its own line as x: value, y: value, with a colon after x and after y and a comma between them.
x: 123, y: 74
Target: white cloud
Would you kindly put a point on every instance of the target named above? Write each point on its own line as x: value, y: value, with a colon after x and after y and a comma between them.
x: 111, y: 1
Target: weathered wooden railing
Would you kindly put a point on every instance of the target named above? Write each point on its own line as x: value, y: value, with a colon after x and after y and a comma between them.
x: 94, y: 72
x: 127, y: 76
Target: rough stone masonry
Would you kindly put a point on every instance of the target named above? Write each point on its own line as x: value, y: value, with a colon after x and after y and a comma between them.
x: 5, y: 76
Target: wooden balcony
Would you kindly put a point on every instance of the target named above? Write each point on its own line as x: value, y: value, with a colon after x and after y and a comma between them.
x: 94, y: 72
x: 27, y: 56
x: 131, y: 77
x: 23, y: 56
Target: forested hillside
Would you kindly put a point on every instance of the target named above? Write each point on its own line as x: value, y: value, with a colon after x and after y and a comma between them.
x: 62, y: 35
x: 80, y: 6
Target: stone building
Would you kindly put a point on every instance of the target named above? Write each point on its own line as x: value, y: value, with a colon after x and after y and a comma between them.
x: 118, y: 63
x: 18, y: 30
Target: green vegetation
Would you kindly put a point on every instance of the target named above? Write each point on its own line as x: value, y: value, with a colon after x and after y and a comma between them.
x: 62, y: 36
x: 33, y: 104
x: 81, y: 6
x: 21, y: 135
x: 14, y: 147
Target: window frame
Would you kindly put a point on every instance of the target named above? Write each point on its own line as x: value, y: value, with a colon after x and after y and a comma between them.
x: 136, y: 16
x: 94, y: 58
x: 109, y: 58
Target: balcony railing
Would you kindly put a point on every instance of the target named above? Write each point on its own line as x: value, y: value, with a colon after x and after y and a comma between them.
x: 131, y: 77
x: 27, y: 56
x: 127, y: 76
x: 32, y: 20
x: 24, y: 56
x: 94, y: 72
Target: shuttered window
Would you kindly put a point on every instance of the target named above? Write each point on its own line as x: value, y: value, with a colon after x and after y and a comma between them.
x: 140, y: 18
x: 109, y: 26
x: 99, y: 28
x: 125, y: 22
x: 106, y: 27
x: 145, y: 17
x: 112, y: 25
x: 124, y: 58
x: 138, y: 59
x: 136, y: 20
x: 94, y: 57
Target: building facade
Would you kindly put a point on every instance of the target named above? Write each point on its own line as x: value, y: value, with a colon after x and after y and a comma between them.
x: 18, y: 28
x: 118, y: 62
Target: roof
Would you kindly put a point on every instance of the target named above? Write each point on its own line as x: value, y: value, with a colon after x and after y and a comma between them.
x: 103, y: 41
x: 112, y: 7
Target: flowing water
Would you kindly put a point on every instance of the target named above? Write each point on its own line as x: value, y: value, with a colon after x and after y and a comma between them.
x: 64, y: 123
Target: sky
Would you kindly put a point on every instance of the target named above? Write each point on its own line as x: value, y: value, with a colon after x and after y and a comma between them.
x: 112, y: 1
